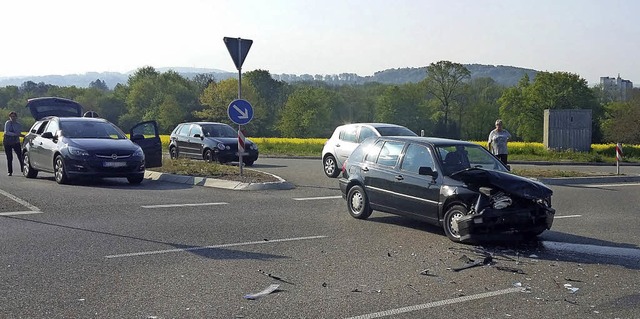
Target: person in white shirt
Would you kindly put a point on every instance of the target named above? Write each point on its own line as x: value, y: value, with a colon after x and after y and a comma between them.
x: 498, y: 142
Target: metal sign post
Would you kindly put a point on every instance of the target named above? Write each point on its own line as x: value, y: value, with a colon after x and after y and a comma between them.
x: 238, y: 49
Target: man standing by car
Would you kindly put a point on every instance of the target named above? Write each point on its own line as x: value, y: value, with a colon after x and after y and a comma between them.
x: 498, y: 142
x: 11, y: 141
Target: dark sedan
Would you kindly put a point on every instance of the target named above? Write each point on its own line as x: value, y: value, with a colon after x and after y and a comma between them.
x: 457, y: 185
x: 211, y: 141
x: 69, y: 146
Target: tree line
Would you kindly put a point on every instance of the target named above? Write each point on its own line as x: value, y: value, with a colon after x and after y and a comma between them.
x: 447, y: 103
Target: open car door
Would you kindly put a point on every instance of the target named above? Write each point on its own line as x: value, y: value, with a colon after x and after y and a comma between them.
x: 146, y: 135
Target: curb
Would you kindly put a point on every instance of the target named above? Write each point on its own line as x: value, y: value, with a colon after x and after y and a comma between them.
x: 218, y: 183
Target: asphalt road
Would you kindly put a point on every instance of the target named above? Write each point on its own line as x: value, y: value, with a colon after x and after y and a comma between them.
x: 107, y: 249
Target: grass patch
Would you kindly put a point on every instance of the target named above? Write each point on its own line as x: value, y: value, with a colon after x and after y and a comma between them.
x: 213, y: 170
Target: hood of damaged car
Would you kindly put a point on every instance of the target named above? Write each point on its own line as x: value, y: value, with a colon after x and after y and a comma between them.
x: 507, y: 182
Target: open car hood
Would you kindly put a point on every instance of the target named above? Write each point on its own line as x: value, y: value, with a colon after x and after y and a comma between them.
x: 507, y: 182
x: 53, y: 106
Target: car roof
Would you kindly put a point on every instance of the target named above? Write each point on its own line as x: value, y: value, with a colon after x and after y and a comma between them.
x: 201, y: 123
x: 436, y: 141
x: 374, y: 124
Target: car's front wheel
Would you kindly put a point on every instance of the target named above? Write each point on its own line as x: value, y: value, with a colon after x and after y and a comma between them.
x: 173, y: 152
x: 59, y: 170
x: 208, y: 156
x: 27, y: 170
x: 136, y: 179
x: 451, y: 218
x: 358, y: 203
x: 330, y: 166
x: 248, y: 162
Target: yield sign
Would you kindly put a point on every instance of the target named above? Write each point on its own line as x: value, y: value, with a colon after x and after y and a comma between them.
x: 238, y: 48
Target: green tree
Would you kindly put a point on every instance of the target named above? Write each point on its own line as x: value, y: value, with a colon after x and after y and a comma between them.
x: 482, y: 109
x: 270, y: 97
x: 403, y: 105
x: 622, y: 119
x: 523, y: 106
x: 444, y: 81
x: 306, y: 113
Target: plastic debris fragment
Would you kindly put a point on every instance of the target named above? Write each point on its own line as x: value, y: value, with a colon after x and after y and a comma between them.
x: 571, y: 288
x: 266, y: 291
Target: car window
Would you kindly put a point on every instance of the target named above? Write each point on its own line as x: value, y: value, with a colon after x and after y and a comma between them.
x: 52, y: 127
x: 219, y: 130
x: 395, y: 131
x: 365, y: 132
x: 90, y: 129
x: 36, y: 126
x: 184, y: 130
x: 42, y: 127
x: 457, y: 157
x: 348, y: 133
x: 417, y: 156
x: 196, y: 129
x: 390, y: 153
x: 373, y: 151
x: 362, y: 150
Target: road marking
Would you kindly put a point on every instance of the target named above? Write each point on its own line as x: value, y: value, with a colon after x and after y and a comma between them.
x: 620, y: 252
x: 611, y: 185
x: 20, y: 201
x: 434, y: 304
x: 20, y: 213
x: 567, y: 216
x: 314, y: 198
x: 155, y: 252
x: 182, y: 205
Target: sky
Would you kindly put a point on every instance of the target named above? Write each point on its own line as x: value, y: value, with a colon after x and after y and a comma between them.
x: 591, y: 38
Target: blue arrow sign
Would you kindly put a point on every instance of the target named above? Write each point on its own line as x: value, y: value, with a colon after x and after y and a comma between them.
x: 240, y: 112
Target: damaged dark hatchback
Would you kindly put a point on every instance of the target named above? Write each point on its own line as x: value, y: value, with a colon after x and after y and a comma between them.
x: 457, y: 185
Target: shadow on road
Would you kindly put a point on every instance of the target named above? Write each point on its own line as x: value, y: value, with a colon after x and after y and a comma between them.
x: 202, y: 251
x: 550, y: 245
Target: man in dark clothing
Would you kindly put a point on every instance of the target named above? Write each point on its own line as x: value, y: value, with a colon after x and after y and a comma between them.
x: 11, y: 141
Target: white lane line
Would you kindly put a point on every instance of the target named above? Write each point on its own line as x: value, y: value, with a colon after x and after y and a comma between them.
x: 182, y: 205
x: 20, y: 201
x: 567, y: 216
x: 434, y: 304
x: 610, y: 185
x: 155, y: 252
x: 314, y: 198
x: 619, y: 252
x: 20, y: 213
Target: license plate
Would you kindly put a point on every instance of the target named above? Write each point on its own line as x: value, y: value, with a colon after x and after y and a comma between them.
x: 115, y: 164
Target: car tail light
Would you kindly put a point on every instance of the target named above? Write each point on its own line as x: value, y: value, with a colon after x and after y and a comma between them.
x: 344, y: 167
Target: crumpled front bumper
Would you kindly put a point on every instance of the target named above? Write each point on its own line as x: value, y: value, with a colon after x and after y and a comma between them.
x: 496, y: 222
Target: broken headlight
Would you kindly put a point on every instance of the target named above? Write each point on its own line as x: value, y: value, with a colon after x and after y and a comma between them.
x: 546, y: 202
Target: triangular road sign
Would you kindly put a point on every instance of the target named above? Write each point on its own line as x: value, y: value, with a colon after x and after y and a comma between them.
x: 238, y: 48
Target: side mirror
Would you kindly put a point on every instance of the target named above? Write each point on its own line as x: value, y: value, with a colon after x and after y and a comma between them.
x: 197, y: 135
x: 508, y: 167
x: 423, y: 170
x: 47, y: 135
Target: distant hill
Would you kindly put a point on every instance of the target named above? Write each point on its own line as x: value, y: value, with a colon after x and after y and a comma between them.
x: 505, y: 75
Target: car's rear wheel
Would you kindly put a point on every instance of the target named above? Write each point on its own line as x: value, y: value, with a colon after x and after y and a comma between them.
x: 136, y: 179
x: 330, y: 166
x: 358, y: 203
x: 173, y: 152
x: 59, y: 171
x: 27, y: 170
x: 451, y: 218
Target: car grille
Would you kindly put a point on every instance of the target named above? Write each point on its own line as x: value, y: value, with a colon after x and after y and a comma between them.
x: 114, y: 156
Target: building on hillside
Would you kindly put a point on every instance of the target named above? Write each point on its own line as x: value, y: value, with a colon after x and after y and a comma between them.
x: 617, y: 89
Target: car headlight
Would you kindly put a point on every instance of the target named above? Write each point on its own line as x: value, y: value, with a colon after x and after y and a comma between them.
x: 138, y: 152
x: 221, y: 146
x: 253, y: 147
x: 77, y: 152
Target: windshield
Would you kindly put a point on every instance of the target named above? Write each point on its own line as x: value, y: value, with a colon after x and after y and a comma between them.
x: 459, y: 157
x: 91, y: 129
x: 395, y: 131
x: 218, y: 130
